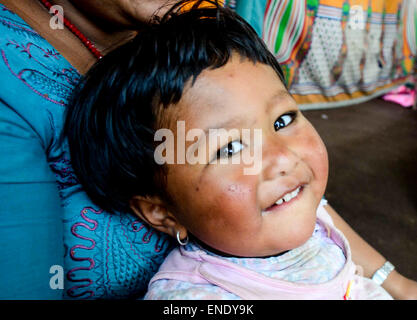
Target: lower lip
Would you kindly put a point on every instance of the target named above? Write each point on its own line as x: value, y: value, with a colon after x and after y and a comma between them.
x: 284, y: 204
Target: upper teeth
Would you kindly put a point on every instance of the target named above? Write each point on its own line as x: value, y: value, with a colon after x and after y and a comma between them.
x: 290, y: 195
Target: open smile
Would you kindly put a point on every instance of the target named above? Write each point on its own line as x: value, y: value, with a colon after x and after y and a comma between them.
x: 286, y: 200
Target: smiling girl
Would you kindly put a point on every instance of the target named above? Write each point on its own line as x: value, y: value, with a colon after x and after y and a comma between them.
x: 265, y: 235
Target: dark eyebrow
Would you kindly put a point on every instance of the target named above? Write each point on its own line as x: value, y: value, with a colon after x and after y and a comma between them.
x: 277, y: 97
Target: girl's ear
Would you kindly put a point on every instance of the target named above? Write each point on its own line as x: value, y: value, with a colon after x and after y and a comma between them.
x: 153, y: 211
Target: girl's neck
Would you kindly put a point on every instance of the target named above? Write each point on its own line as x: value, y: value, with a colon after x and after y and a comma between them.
x: 223, y: 254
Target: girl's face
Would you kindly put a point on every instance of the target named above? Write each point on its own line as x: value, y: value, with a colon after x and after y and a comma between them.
x: 234, y: 212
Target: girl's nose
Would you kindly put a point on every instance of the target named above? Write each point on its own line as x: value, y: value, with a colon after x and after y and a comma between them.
x: 278, y: 159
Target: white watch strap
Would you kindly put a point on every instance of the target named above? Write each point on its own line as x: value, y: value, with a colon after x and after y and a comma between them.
x: 382, y: 273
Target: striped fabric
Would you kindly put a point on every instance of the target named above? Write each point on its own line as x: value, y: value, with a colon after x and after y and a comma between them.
x: 337, y: 52
x: 284, y: 25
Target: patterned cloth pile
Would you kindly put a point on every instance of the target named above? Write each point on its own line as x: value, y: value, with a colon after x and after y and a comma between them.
x: 337, y: 52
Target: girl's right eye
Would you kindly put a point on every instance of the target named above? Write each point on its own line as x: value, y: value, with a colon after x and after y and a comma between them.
x: 229, y: 150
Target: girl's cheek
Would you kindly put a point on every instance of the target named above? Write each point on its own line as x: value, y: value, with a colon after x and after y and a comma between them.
x: 230, y: 189
x: 317, y: 157
x: 313, y: 153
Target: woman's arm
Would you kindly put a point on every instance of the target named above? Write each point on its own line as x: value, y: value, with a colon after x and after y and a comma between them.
x: 371, y: 260
x: 31, y: 239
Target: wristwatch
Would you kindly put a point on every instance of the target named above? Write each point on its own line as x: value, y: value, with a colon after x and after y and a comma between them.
x: 382, y: 273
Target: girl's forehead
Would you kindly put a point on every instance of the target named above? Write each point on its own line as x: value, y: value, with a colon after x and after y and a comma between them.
x: 228, y: 91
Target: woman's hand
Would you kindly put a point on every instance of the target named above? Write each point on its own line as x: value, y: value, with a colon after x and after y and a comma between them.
x: 400, y: 287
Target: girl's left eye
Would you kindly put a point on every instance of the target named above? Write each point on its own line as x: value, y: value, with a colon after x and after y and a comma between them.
x: 284, y: 120
x: 229, y: 150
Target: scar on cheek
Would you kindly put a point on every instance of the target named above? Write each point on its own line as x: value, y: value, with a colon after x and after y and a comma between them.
x: 232, y: 188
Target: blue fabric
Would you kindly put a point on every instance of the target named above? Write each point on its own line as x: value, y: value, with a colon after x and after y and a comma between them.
x: 46, y: 219
x: 251, y: 11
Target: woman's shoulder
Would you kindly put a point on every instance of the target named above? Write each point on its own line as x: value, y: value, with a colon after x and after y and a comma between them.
x: 11, y: 23
x: 30, y: 66
x: 36, y: 81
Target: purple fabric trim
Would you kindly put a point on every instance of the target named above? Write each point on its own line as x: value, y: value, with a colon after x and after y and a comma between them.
x: 107, y: 253
x: 6, y: 22
x: 131, y: 246
x: 70, y: 273
x: 6, y: 61
x: 148, y: 235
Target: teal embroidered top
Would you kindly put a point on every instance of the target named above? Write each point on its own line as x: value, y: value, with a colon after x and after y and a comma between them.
x: 46, y: 220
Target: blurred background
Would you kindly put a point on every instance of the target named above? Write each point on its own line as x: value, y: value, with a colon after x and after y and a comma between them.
x: 372, y: 183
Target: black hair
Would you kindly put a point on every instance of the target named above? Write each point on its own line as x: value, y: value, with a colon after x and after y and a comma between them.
x: 111, y: 117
